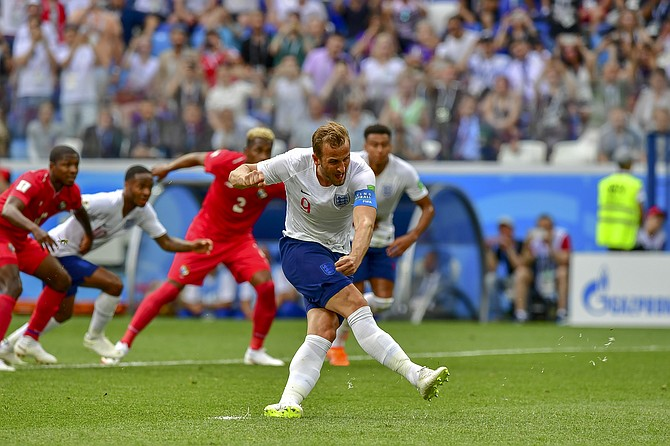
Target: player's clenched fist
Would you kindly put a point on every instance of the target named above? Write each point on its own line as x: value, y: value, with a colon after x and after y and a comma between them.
x: 203, y: 246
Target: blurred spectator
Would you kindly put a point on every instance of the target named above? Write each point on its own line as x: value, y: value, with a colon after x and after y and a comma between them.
x: 543, y: 269
x: 422, y: 51
x: 378, y: 23
x: 624, y: 41
x: 500, y: 109
x: 289, y: 41
x: 228, y: 29
x: 288, y: 90
x: 341, y: 84
x: 554, y: 94
x: 356, y: 17
x: 356, y: 119
x: 4, y: 136
x: 77, y: 60
x: 43, y: 133
x: 468, y: 142
x: 458, y: 44
x: 407, y: 115
x: 524, y: 72
x: 656, y: 95
x: 618, y: 132
x: 580, y: 64
x: 104, y: 139
x: 379, y: 72
x: 320, y: 62
x: 142, y: 17
x: 503, y: 255
x: 237, y: 7
x: 229, y: 92
x: 172, y: 60
x: 610, y: 90
x: 150, y: 135
x: 514, y: 26
x: 24, y: 33
x: 443, y: 92
x: 54, y: 13
x: 563, y: 17
x: 141, y: 68
x: 301, y: 133
x: 255, y: 49
x: 187, y: 86
x: 651, y: 236
x: 662, y: 126
x: 5, y: 70
x: 230, y: 130
x: 35, y: 74
x: 406, y: 14
x: 193, y: 12
x: 484, y: 66
x: 213, y: 54
x: 105, y: 33
x: 309, y: 9
x: 192, y: 133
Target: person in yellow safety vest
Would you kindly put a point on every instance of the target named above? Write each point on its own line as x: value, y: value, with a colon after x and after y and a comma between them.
x: 620, y: 200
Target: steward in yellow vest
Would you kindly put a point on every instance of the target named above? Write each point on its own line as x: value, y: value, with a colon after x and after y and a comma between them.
x: 620, y: 198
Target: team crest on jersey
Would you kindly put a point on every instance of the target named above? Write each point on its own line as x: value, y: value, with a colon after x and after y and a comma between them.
x: 183, y: 271
x: 11, y: 247
x: 341, y: 200
x: 62, y: 205
x: 261, y: 194
x: 328, y: 269
x: 387, y: 190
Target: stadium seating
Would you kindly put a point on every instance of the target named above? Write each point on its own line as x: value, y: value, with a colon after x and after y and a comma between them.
x: 529, y: 152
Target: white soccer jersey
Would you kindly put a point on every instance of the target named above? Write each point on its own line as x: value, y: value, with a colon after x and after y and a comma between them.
x: 397, y: 177
x: 105, y: 211
x: 315, y: 213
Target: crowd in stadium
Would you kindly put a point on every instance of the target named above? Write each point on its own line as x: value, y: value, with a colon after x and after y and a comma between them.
x: 156, y: 79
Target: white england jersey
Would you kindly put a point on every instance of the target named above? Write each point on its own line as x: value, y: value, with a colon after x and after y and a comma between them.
x: 315, y: 213
x: 397, y: 177
x: 105, y: 211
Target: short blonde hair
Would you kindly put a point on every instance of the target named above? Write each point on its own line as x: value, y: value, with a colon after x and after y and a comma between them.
x: 260, y: 132
x: 331, y: 133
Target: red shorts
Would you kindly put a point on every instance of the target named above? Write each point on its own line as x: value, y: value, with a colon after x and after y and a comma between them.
x: 239, y: 254
x: 26, y: 253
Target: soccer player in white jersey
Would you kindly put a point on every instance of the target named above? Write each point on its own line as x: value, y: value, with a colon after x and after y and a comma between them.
x: 112, y: 214
x: 394, y: 177
x: 328, y: 189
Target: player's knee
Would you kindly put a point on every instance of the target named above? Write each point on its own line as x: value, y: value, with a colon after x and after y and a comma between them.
x: 61, y: 283
x: 114, y: 287
x: 378, y: 304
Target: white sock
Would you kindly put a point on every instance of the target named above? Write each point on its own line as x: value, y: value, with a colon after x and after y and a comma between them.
x: 104, y: 309
x: 16, y: 335
x: 305, y: 369
x: 381, y: 346
x: 342, y: 334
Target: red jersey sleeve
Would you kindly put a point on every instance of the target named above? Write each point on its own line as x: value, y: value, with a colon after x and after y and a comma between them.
x: 276, y: 191
x: 26, y: 187
x: 566, y: 244
x: 222, y: 162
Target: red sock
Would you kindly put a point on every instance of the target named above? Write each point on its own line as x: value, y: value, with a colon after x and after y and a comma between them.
x: 46, y: 308
x: 6, y: 308
x: 264, y: 313
x: 149, y: 309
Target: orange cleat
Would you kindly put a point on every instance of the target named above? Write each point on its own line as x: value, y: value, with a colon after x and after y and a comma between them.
x: 337, y: 357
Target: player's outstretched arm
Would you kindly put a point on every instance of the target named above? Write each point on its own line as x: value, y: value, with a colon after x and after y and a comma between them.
x: 174, y: 244
x: 13, y: 212
x: 246, y: 175
x: 400, y: 244
x: 189, y: 160
x: 82, y: 217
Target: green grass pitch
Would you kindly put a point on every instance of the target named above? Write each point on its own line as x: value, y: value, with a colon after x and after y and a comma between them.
x: 185, y: 384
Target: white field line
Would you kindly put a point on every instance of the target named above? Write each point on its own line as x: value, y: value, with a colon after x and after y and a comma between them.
x: 456, y: 354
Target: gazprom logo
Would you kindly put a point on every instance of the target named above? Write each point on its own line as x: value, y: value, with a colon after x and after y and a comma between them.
x: 599, y: 301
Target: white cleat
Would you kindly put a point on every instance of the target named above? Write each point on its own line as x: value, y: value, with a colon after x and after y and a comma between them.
x: 6, y: 367
x: 7, y: 354
x: 121, y: 349
x: 260, y: 357
x: 283, y: 411
x: 101, y: 346
x: 430, y: 380
x: 27, y: 346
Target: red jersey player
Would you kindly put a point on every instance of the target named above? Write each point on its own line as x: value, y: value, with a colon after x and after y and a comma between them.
x: 227, y: 217
x: 30, y: 201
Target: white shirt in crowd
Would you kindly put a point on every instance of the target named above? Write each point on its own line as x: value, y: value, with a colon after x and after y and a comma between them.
x: 398, y: 177
x: 105, y: 210
x: 315, y: 213
x: 77, y: 80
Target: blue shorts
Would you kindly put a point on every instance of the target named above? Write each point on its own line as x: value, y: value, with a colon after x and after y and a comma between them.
x: 310, y: 267
x: 376, y: 265
x: 78, y: 269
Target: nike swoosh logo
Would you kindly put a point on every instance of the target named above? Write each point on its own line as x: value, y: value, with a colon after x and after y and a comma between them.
x: 306, y: 193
